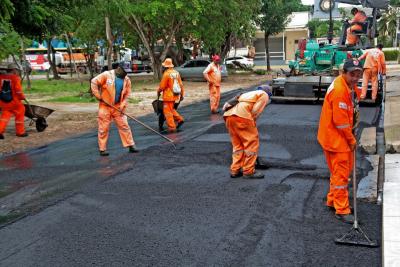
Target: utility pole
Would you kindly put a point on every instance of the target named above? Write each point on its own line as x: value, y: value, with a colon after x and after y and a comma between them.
x: 330, y: 31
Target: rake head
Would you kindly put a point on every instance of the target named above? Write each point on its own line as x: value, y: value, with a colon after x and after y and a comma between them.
x: 356, y: 237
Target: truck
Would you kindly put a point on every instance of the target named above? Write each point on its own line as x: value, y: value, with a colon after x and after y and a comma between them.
x: 316, y: 65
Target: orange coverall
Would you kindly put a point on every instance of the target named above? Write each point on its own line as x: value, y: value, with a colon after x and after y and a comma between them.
x: 169, y: 98
x: 241, y: 123
x: 351, y: 38
x: 103, y: 88
x: 335, y: 136
x: 213, y: 76
x: 15, y: 107
x: 374, y: 64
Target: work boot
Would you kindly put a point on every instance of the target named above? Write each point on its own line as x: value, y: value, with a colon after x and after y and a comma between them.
x: 255, y: 175
x: 104, y: 153
x: 180, y: 124
x: 1, y: 136
x: 23, y: 135
x: 133, y: 149
x: 236, y: 175
x: 346, y: 218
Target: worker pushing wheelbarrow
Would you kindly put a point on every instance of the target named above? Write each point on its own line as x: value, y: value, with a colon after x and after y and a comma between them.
x: 11, y: 96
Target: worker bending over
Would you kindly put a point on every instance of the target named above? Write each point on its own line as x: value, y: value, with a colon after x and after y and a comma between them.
x: 171, y: 87
x: 336, y: 137
x: 11, y: 95
x: 212, y: 74
x: 112, y: 89
x: 374, y: 65
x: 240, y: 118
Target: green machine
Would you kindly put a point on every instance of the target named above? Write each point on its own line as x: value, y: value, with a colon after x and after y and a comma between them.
x: 316, y: 65
x: 318, y: 59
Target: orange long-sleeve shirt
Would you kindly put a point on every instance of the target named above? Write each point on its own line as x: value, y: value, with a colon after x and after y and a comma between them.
x: 336, y: 121
x: 167, y: 83
x: 250, y: 105
x: 374, y: 58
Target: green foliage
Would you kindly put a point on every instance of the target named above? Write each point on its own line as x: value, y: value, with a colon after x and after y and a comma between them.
x: 9, y: 40
x: 391, y: 55
x: 274, y: 15
x: 319, y: 28
x: 6, y: 10
x: 260, y: 72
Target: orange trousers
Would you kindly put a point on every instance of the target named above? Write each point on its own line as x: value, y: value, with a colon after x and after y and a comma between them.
x: 245, y: 144
x: 340, y: 166
x: 215, y: 96
x: 370, y: 74
x: 171, y: 115
x: 19, y: 112
x: 351, y: 38
x: 106, y: 116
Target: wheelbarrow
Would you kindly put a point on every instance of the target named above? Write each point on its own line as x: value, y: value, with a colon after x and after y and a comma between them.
x: 38, y: 115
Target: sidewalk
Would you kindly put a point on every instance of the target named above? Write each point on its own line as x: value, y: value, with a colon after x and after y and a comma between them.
x: 391, y: 188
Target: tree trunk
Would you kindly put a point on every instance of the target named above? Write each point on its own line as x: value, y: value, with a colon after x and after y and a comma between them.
x: 26, y: 68
x: 110, y: 43
x: 226, y: 45
x: 51, y: 57
x: 266, y: 42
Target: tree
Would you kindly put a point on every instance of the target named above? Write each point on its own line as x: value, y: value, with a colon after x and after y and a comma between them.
x: 273, y: 19
x: 156, y: 21
x: 319, y: 28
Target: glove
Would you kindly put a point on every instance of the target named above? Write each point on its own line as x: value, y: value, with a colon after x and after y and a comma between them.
x: 158, y: 94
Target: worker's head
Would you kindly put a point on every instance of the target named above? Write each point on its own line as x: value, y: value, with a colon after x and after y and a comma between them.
x: 119, y: 69
x: 352, y: 71
x: 379, y: 46
x: 266, y: 88
x: 167, y: 63
x: 216, y: 59
x: 13, y: 68
x: 354, y: 11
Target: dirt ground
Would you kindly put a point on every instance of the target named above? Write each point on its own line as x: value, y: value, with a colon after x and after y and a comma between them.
x: 71, y: 119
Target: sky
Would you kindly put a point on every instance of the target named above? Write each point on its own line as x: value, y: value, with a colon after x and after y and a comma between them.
x: 307, y: 2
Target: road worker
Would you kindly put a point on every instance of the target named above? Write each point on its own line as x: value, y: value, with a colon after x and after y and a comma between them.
x: 240, y: 117
x: 11, y: 95
x: 212, y: 74
x: 355, y: 25
x: 172, y: 90
x: 374, y: 65
x: 112, y: 89
x: 336, y: 137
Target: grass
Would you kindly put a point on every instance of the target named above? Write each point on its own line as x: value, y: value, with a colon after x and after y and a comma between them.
x: 75, y: 91
x: 9, y: 217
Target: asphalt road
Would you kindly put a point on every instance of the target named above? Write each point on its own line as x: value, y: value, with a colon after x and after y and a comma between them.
x: 166, y: 207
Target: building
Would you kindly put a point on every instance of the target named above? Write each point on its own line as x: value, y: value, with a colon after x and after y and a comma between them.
x: 283, y: 45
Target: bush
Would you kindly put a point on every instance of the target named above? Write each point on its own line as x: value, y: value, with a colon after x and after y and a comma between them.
x: 391, y: 55
x: 260, y: 72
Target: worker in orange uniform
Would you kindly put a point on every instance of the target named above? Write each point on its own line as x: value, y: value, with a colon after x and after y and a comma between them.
x: 172, y: 90
x: 212, y: 74
x: 240, y: 119
x: 112, y: 89
x: 11, y: 95
x: 336, y: 137
x: 374, y: 65
x: 355, y: 25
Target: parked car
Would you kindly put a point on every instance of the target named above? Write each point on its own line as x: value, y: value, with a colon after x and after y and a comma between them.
x: 239, y: 61
x: 193, y: 69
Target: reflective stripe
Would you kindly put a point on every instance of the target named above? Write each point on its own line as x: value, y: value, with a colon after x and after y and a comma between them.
x: 238, y: 151
x: 342, y: 126
x: 250, y: 153
x: 19, y: 122
x: 340, y: 186
x: 3, y: 120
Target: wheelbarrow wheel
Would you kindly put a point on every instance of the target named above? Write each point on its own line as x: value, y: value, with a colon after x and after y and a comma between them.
x: 41, y: 124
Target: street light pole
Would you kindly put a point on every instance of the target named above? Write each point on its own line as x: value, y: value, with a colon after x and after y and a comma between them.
x: 330, y: 31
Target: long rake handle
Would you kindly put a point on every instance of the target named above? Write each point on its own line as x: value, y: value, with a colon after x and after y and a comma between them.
x: 355, y: 190
x: 141, y: 123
